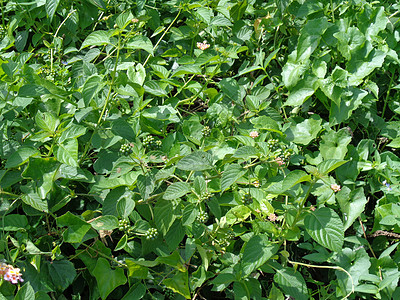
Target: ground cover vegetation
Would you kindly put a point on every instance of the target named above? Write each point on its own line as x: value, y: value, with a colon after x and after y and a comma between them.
x: 199, y: 149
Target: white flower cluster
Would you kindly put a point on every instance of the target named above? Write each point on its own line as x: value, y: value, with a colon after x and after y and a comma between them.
x: 9, y: 273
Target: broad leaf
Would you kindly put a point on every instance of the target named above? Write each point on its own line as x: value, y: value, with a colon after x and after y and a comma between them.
x: 257, y: 251
x: 107, y: 278
x: 292, y: 283
x: 326, y: 228
x: 176, y: 190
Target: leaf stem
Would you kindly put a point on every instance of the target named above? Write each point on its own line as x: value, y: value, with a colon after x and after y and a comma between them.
x: 160, y: 39
x: 294, y: 263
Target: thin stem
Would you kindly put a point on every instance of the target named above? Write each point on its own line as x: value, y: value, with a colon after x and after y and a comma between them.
x: 106, y: 102
x: 294, y: 263
x: 387, y: 95
x: 160, y: 39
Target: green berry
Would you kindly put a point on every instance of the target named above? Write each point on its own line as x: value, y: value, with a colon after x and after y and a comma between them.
x: 148, y: 140
x: 247, y: 199
x: 273, y: 144
x: 151, y: 234
x: 202, y: 217
x: 206, y: 196
x: 125, y: 149
x: 206, y: 131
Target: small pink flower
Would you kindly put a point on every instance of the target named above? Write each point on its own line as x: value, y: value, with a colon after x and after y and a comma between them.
x: 203, y: 46
x: 10, y: 273
x: 279, y: 161
x: 272, y: 217
x: 335, y: 187
x: 312, y: 208
x: 254, y: 134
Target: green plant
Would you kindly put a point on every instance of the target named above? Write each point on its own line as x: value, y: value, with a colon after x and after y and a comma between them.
x: 209, y: 149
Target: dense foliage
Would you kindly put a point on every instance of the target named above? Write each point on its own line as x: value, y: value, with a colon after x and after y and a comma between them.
x: 199, y: 149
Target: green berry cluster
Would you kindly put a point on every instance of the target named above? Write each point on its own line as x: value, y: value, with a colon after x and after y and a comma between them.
x: 124, y: 225
x: 206, y: 131
x: 247, y: 199
x: 273, y: 144
x: 151, y: 234
x: 158, y: 143
x: 168, y: 293
x: 148, y: 141
x: 125, y: 149
x: 205, y: 196
x: 202, y: 217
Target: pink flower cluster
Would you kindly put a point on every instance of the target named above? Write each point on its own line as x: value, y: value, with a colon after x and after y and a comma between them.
x: 9, y: 273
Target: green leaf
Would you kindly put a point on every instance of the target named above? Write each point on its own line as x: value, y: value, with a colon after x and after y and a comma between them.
x: 26, y: 292
x: 14, y: 222
x: 91, y: 88
x: 329, y: 165
x: 107, y: 278
x: 137, y: 74
x: 122, y: 243
x: 231, y: 89
x: 326, y: 228
x: 105, y: 223
x: 395, y: 143
x: 164, y: 215
x: 292, y: 283
x: 72, y: 132
x: 267, y: 123
x: 33, y: 199
x: 237, y: 11
x: 62, y: 273
x: 96, y: 38
x: 43, y: 171
x: 125, y: 207
x: 136, y: 292
x: 173, y: 260
x: 189, y: 214
x: 257, y: 251
x: 182, y: 70
x: 196, y: 161
x: 99, y: 3
x: 122, y: 128
x: 21, y: 156
x: 74, y: 173
x: 176, y: 190
x: 140, y: 42
x: 124, y: 19
x: 200, y: 185
x: 231, y: 174
x: 291, y: 179
x: 179, y: 283
x: 334, y: 144
x: 305, y: 132
x: 145, y: 184
x: 303, y: 90
x: 246, y: 152
x: 77, y: 228
x: 67, y: 152
x: 161, y: 113
x: 51, y: 7
x: 154, y: 88
x: 351, y: 205
x: 47, y: 121
x: 138, y: 269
